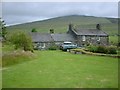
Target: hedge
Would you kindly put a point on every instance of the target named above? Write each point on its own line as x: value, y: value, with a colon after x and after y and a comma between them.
x: 102, y: 49
x: 91, y: 53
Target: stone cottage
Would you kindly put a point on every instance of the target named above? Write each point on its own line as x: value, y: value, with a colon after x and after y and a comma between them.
x: 89, y: 36
x: 78, y: 36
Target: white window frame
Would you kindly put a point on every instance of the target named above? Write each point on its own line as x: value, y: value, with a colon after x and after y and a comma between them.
x: 98, y: 39
x: 43, y: 45
x: 83, y: 38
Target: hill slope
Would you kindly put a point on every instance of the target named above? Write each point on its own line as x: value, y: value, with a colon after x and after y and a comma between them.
x: 60, y: 24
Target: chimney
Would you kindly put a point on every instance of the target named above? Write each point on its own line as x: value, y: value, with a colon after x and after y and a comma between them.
x: 98, y: 26
x: 70, y: 26
x: 51, y: 31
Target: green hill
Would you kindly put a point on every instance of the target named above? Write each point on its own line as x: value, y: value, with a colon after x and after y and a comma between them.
x: 60, y: 24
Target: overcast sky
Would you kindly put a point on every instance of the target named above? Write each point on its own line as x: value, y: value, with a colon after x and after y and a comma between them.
x: 22, y: 12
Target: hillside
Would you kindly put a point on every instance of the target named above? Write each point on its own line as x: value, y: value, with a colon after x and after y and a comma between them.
x: 60, y: 24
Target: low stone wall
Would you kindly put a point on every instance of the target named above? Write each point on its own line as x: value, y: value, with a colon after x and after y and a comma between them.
x: 82, y: 51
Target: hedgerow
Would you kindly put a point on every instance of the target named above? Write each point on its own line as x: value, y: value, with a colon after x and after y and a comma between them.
x: 102, y: 49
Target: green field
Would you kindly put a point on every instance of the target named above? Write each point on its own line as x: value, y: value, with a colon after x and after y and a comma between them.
x: 57, y: 69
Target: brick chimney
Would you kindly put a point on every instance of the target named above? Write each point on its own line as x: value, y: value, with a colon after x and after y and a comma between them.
x: 98, y: 26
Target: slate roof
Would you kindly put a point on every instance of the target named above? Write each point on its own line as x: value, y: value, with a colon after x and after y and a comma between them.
x: 90, y: 32
x: 41, y: 37
x: 47, y: 37
x: 62, y: 37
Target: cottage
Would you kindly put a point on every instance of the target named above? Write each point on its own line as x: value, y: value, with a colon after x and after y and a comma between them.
x: 89, y: 36
x: 41, y: 40
x: 60, y: 38
x: 76, y: 35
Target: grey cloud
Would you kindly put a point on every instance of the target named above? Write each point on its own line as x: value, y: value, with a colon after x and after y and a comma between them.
x: 21, y: 12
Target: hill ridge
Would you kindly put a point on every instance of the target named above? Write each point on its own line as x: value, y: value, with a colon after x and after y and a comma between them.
x: 56, y: 18
x: 60, y: 24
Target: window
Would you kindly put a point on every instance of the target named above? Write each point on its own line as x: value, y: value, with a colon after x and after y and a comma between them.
x: 83, y: 38
x: 41, y: 45
x: 98, y: 38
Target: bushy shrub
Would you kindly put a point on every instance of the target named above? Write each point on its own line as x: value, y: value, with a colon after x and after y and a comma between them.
x: 102, y: 49
x: 112, y: 50
x: 92, y: 48
x: 53, y: 46
x: 21, y: 40
x: 34, y: 30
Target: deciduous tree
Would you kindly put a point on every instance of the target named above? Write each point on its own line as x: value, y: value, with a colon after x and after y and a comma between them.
x: 34, y: 30
x: 22, y: 40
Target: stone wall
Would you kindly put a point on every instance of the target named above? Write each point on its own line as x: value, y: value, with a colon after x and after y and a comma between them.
x: 96, y: 40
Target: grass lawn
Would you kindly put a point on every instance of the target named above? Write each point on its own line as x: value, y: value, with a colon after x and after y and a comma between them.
x: 57, y: 69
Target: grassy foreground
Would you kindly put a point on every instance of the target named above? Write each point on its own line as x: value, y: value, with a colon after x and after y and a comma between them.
x: 10, y: 56
x: 57, y: 69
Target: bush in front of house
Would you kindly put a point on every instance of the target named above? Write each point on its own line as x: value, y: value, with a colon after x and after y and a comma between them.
x: 92, y: 48
x: 112, y: 50
x: 53, y: 46
x: 102, y: 49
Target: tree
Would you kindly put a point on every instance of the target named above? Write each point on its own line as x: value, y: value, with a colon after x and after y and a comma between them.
x: 51, y: 31
x: 3, y: 28
x: 22, y: 40
x: 33, y: 30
